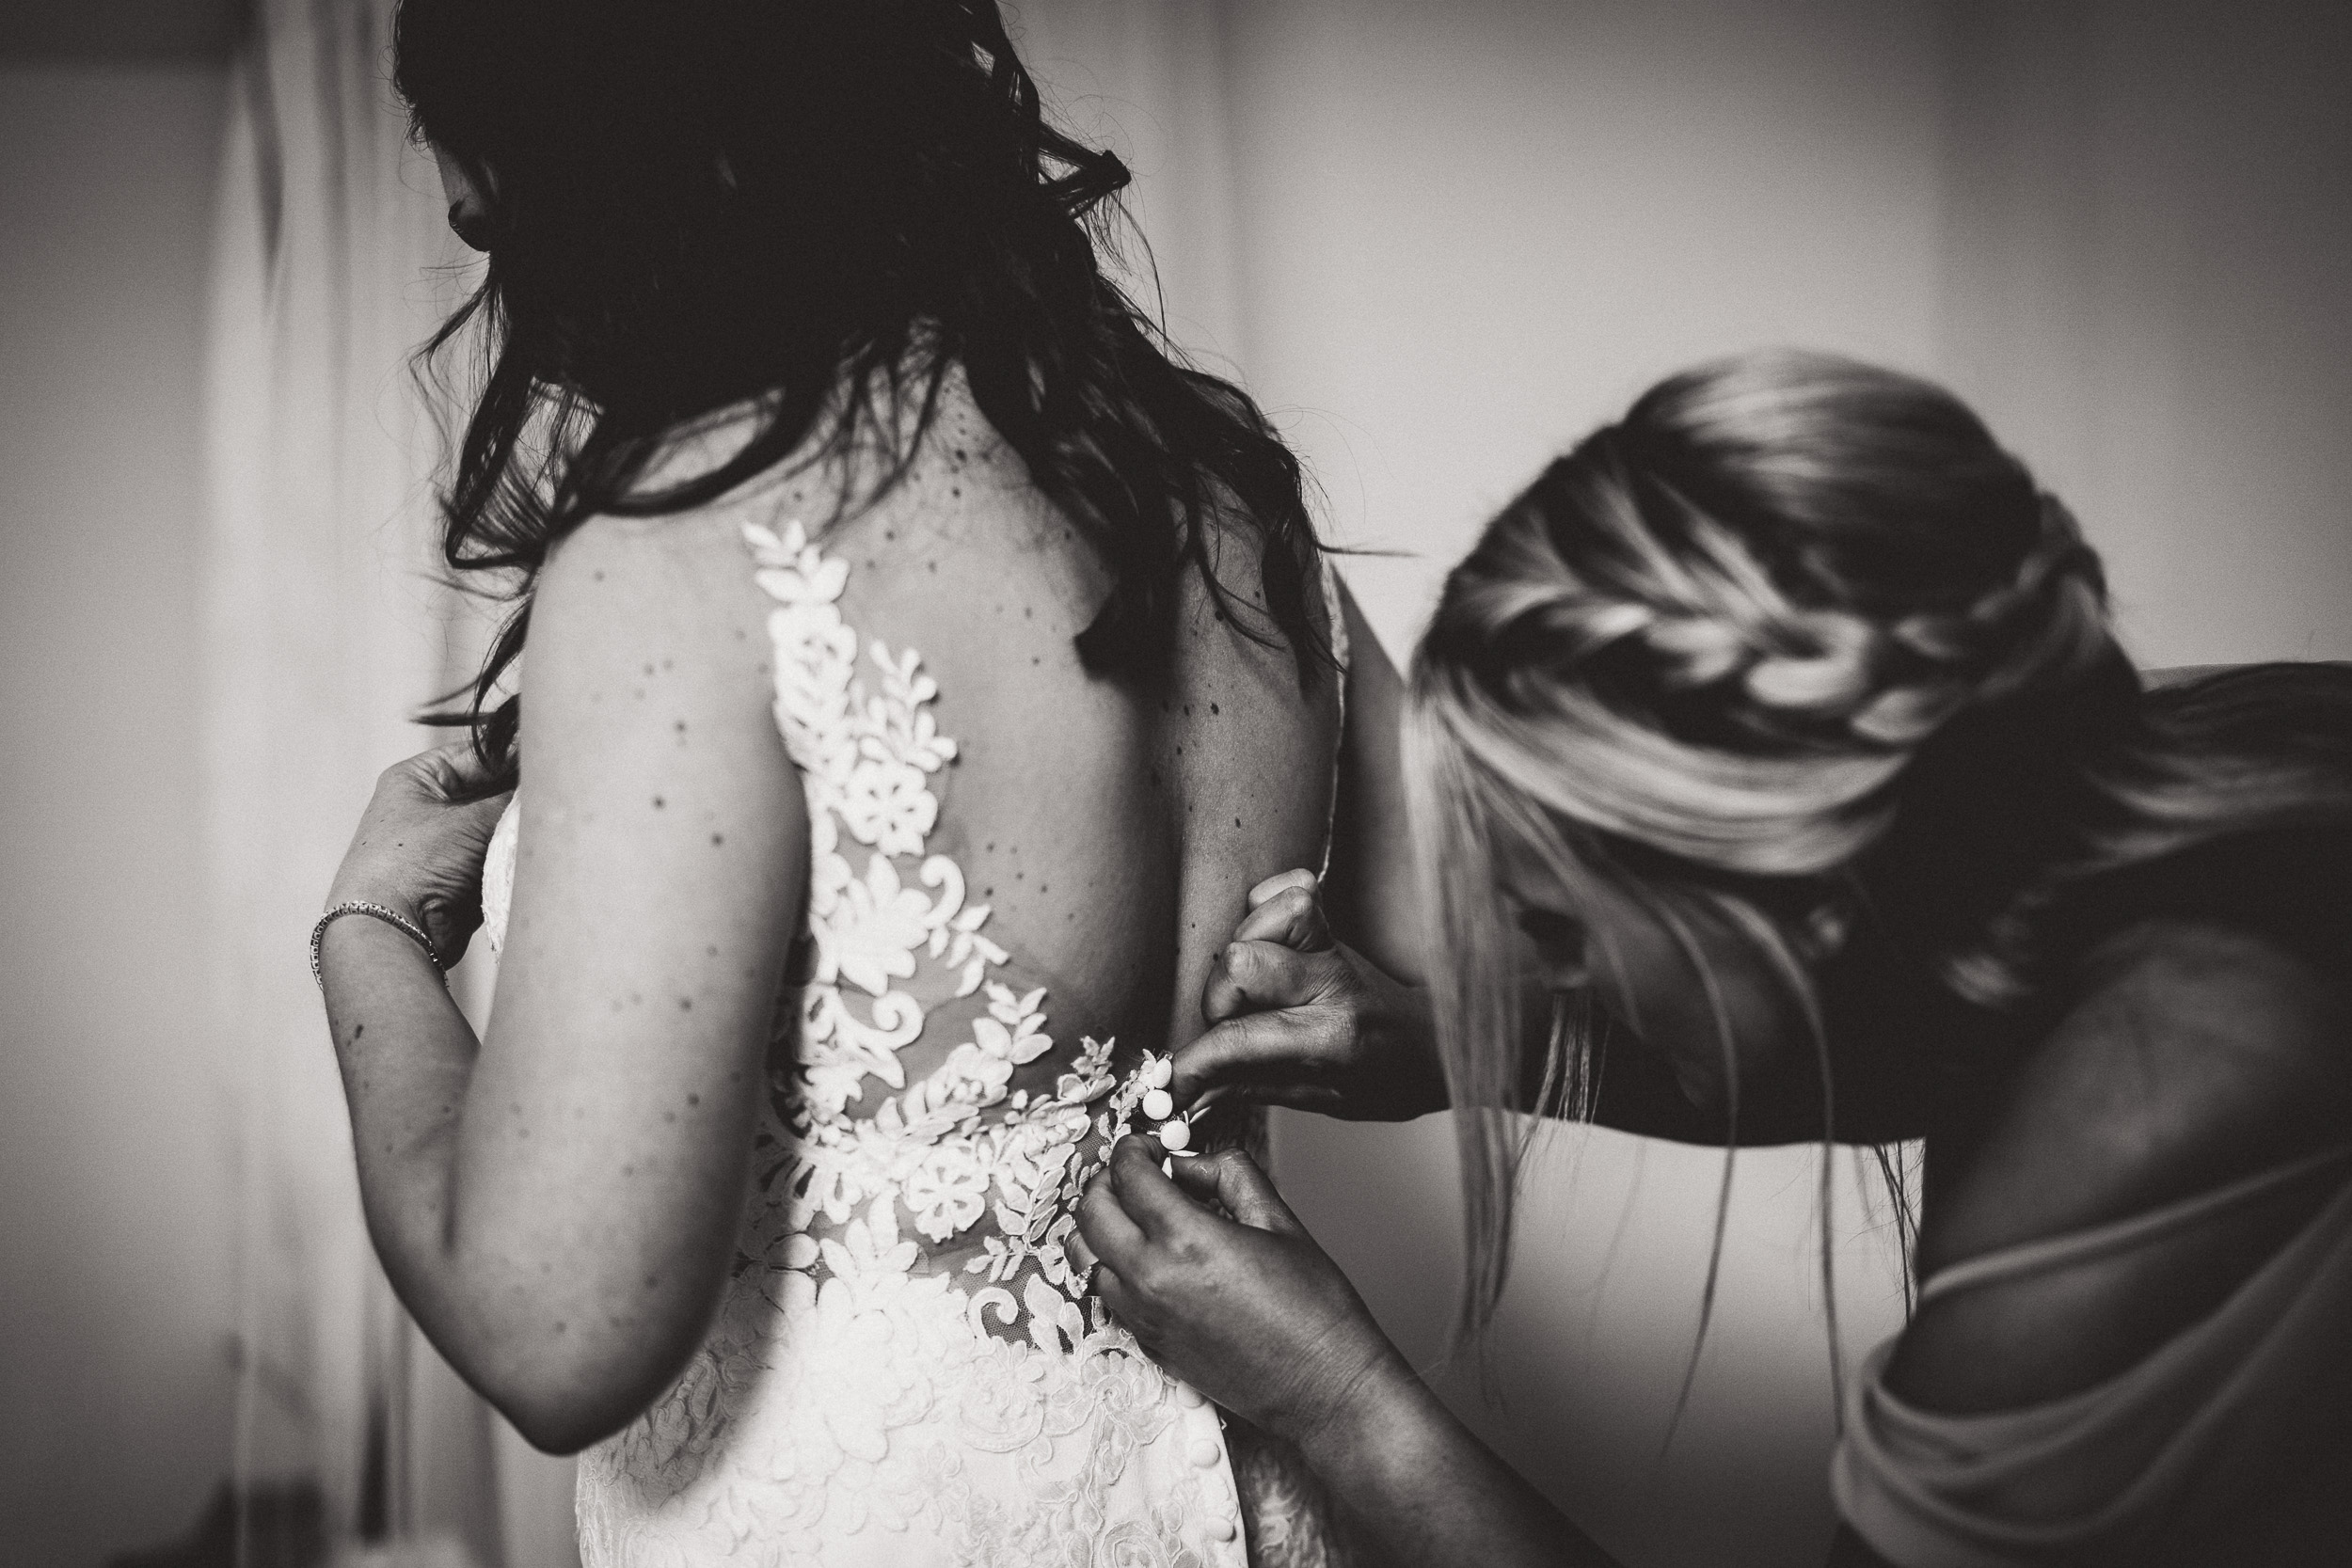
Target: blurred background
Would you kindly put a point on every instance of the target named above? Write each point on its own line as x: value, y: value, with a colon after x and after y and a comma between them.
x: 1436, y: 241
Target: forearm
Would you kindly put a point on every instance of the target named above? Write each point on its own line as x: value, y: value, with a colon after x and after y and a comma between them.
x: 406, y: 1054
x: 566, y: 1296
x: 1372, y: 894
x: 1425, y: 1487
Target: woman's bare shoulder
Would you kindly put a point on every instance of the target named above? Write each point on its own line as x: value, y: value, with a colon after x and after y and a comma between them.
x: 2193, y: 1053
x: 2194, y: 1057
x: 676, y: 591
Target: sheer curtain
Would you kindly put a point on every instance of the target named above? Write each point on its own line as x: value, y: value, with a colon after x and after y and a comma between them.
x: 327, y: 628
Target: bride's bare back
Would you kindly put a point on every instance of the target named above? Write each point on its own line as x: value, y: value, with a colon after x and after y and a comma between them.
x: 1020, y: 869
x: 1110, y: 826
x: 1018, y: 874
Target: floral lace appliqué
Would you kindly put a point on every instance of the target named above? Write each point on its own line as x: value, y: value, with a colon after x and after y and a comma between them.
x: 906, y: 1368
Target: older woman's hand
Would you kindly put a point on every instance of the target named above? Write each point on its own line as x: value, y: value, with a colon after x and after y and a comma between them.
x: 1300, y: 1018
x: 1249, y: 1311
x: 420, y: 846
x: 1247, y: 1308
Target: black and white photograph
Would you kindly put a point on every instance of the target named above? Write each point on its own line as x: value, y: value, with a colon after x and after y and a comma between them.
x: 1175, y: 784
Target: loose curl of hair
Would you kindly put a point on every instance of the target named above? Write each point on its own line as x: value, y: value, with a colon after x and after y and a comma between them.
x: 813, y: 211
x: 1794, y: 642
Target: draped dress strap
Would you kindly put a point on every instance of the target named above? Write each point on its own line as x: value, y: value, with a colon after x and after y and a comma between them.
x: 2125, y: 1470
x: 1335, y: 619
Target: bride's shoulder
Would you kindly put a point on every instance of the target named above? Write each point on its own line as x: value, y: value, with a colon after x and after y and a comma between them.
x: 653, y: 624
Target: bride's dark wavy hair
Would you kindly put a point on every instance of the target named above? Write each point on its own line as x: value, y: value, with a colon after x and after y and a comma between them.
x: 818, y: 207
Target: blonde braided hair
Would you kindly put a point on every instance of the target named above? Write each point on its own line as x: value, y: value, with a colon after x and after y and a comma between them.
x: 1629, y: 658
x: 1718, y: 634
x: 1799, y: 627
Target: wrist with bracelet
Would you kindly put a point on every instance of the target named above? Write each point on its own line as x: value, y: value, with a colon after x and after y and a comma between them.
x: 374, y: 911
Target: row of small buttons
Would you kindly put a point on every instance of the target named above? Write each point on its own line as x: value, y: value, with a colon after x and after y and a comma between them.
x: 1206, y: 1453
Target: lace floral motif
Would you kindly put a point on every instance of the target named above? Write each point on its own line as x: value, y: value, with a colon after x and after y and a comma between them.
x: 961, y: 1146
x: 906, y: 1369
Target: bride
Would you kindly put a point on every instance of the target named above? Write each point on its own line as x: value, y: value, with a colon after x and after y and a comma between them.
x: 922, y: 666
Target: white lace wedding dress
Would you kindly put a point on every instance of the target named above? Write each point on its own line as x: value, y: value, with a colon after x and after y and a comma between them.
x: 905, y: 1371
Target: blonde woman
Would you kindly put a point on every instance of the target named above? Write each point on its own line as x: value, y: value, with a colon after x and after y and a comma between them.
x: 1779, y: 730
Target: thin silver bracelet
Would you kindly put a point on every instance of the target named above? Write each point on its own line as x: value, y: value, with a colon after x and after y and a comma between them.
x: 390, y: 917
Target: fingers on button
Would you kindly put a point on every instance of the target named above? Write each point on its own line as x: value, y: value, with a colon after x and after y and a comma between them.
x: 1298, y: 876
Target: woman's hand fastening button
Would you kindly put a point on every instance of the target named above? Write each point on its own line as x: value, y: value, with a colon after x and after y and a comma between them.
x: 1300, y: 1018
x: 1219, y: 1280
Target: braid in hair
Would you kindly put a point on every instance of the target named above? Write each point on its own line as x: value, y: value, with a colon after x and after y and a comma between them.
x: 1796, y: 638
x: 1720, y: 648
x: 1782, y: 669
x: 1710, y: 684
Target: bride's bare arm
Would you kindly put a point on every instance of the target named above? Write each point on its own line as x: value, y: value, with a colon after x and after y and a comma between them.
x: 558, y: 1205
x: 1315, y: 1000
x: 1371, y: 893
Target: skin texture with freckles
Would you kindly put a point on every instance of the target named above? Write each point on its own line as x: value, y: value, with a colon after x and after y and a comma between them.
x: 558, y: 1203
x: 1112, y: 829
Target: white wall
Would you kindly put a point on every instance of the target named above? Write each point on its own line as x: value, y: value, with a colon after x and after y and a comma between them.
x: 1471, y: 232
x: 2148, y: 293
x: 116, y: 1228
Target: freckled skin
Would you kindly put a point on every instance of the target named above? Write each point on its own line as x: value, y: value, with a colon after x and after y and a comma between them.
x: 625, y: 1224
x: 1088, y: 863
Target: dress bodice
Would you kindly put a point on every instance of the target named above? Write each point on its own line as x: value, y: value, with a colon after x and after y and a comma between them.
x: 906, y: 1367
